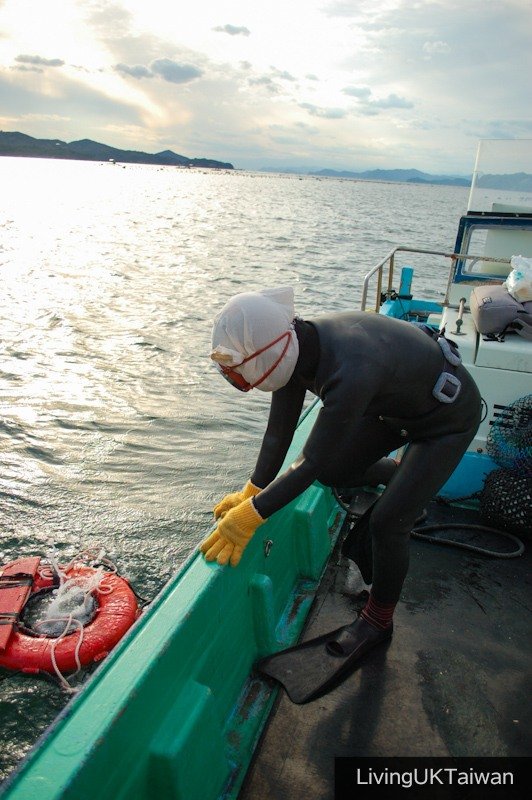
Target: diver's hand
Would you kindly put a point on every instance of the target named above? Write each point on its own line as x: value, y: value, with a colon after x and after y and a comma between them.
x: 226, y: 544
x: 234, y: 499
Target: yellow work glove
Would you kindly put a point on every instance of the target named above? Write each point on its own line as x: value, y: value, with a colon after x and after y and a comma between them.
x: 227, y: 542
x: 234, y: 499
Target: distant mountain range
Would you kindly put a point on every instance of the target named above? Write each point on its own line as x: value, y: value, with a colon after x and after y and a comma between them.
x: 517, y: 181
x: 396, y: 176
x: 19, y: 144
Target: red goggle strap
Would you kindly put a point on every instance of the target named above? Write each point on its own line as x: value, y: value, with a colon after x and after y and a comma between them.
x: 228, y: 370
x: 269, y: 372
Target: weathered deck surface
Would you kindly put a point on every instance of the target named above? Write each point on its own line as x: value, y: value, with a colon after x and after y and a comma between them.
x: 454, y: 681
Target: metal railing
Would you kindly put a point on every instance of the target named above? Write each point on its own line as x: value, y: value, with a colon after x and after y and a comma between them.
x: 390, y: 260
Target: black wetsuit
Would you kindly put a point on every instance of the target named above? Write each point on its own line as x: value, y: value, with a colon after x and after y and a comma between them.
x: 375, y: 376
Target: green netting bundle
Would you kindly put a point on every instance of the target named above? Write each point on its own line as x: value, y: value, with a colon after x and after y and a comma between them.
x: 506, y: 501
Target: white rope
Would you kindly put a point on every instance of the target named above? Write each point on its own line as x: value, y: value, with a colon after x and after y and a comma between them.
x: 101, y: 589
x: 93, y: 558
x: 62, y: 680
x: 90, y: 585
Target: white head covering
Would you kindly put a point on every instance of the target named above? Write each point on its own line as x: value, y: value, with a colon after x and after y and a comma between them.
x: 250, y: 321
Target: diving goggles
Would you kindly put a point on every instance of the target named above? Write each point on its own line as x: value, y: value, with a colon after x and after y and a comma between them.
x: 238, y: 381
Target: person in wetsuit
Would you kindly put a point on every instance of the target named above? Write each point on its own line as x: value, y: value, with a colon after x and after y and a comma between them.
x: 379, y: 380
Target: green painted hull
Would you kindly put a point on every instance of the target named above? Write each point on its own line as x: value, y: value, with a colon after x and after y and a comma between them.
x: 174, y: 711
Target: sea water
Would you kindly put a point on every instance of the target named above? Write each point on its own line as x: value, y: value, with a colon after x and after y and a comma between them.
x: 115, y: 429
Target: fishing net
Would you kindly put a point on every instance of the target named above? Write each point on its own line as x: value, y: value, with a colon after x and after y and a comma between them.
x: 506, y: 501
x: 510, y: 438
x: 60, y: 611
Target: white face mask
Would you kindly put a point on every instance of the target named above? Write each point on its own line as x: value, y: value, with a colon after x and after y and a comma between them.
x: 248, y: 323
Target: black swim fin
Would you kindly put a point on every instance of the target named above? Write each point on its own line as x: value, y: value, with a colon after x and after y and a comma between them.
x: 311, y: 669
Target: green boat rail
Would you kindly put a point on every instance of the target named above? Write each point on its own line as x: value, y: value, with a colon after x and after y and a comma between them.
x: 175, y: 711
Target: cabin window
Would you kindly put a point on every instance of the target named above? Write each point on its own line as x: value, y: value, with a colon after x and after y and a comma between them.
x: 499, y: 242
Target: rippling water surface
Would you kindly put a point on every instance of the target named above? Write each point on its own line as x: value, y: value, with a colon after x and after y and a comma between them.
x: 114, y: 427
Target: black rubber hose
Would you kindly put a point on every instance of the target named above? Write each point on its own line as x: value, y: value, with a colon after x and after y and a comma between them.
x: 420, y: 533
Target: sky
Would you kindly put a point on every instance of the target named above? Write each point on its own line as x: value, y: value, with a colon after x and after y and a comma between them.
x: 312, y: 84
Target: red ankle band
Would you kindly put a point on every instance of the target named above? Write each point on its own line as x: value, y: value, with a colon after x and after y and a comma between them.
x: 378, y: 614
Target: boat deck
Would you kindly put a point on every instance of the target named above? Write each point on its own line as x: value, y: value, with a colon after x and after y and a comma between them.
x: 454, y: 680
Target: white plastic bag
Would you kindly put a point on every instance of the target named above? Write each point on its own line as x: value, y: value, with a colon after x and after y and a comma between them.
x: 519, y: 281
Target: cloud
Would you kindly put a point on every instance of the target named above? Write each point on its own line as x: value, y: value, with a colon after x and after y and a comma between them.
x: 371, y: 108
x: 432, y: 48
x: 392, y: 101
x: 266, y: 82
x: 343, y: 8
x: 362, y: 92
x: 404, y: 50
x: 233, y: 30
x: 324, y: 113
x: 175, y: 72
x: 293, y: 135
x: 501, y: 129
x: 113, y: 29
x: 69, y: 100
x: 24, y: 68
x: 39, y: 61
x: 107, y: 16
x: 138, y: 71
x: 307, y: 129
x: 368, y: 106
x: 282, y: 74
x: 165, y: 68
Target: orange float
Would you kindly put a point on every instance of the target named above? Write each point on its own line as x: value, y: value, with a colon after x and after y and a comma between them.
x: 116, y: 610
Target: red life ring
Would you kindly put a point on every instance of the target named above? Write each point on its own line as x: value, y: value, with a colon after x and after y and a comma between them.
x: 117, y: 610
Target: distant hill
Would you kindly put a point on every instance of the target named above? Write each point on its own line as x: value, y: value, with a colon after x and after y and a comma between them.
x: 518, y: 181
x: 396, y: 176
x: 19, y: 144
